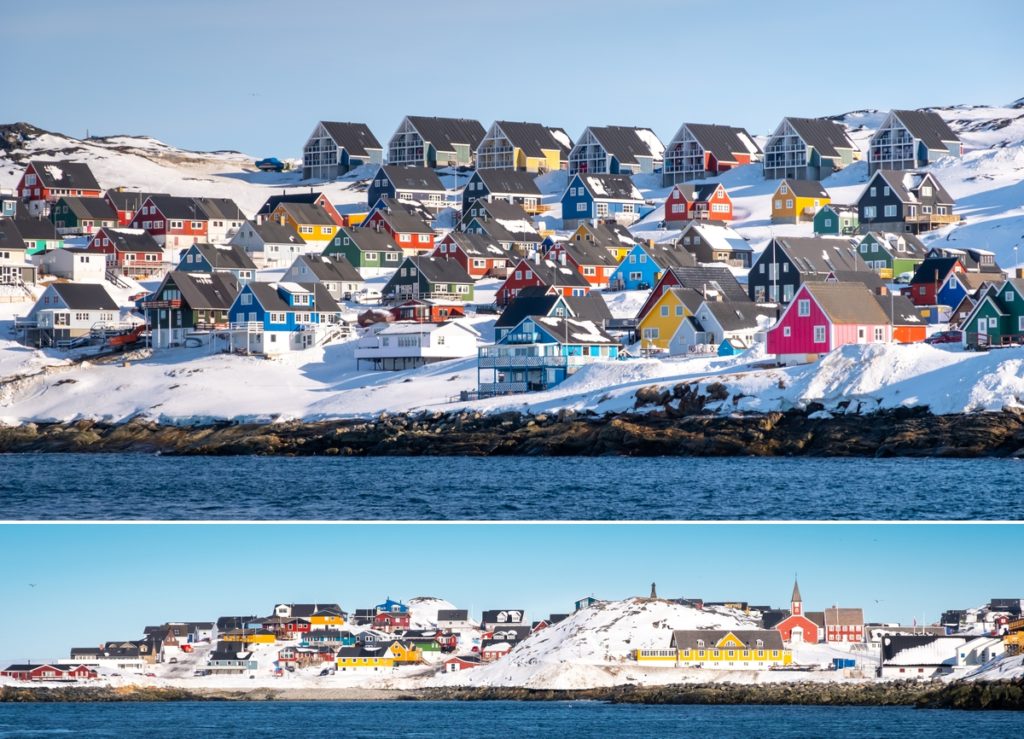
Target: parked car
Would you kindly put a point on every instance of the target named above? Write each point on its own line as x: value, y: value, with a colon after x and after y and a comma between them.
x: 270, y: 164
x: 945, y: 337
x: 904, y: 278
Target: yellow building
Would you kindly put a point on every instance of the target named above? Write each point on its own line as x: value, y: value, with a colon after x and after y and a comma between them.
x: 528, y: 147
x: 308, y: 220
x: 614, y: 237
x: 662, y: 319
x: 795, y: 201
x: 249, y: 636
x: 752, y: 649
x: 327, y: 618
x: 377, y: 656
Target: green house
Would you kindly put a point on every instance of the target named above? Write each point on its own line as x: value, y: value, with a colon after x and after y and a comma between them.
x: 39, y: 234
x: 366, y: 249
x: 998, y: 317
x: 431, y: 278
x: 836, y: 220
x: 891, y: 254
x: 74, y: 215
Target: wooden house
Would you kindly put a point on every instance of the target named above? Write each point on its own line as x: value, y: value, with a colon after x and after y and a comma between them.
x: 371, y: 251
x: 512, y: 186
x: 335, y: 147
x: 557, y: 278
x: 208, y: 258
x: 408, y: 224
x: 824, y: 316
x: 461, y: 662
x: 807, y: 149
x: 595, y: 263
x: 701, y: 202
x: 340, y: 278
x: 909, y: 323
x: 506, y: 223
x: 836, y: 220
x: 74, y: 215
x: 269, y: 244
x: 908, y: 201
x: 786, y: 262
x: 14, y: 268
x: 479, y: 254
x: 421, y: 310
x: 891, y: 255
x: 39, y: 234
x: 709, y: 241
x: 223, y: 218
x: 590, y: 196
x: 423, y: 141
x: 187, y: 303
x: 911, y: 139
x: 997, y: 317
x: 174, y: 222
x: 609, y: 235
x: 431, y: 278
x: 77, y: 265
x: 126, y: 203
x: 616, y: 150
x: 313, y: 223
x: 931, y: 274
x: 319, y: 199
x: 797, y: 627
x: 68, y: 310
x: 408, y: 184
x: 795, y: 201
x: 727, y: 327
x: 700, y: 150
x: 276, y: 318
x: 43, y: 183
x: 715, y: 649
x: 645, y: 263
x: 525, y: 147
x: 130, y: 251
x: 47, y: 672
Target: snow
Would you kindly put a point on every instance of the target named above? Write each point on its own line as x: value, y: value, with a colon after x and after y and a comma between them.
x: 652, y: 142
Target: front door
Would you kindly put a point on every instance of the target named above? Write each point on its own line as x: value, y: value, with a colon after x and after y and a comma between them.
x: 862, y: 335
x: 796, y: 634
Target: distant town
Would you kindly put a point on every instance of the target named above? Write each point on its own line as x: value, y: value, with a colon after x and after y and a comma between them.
x: 428, y: 636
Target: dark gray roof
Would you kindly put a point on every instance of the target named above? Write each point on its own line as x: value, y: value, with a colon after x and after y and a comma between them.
x: 805, y: 188
x: 913, y: 246
x: 509, y: 181
x: 440, y: 270
x: 706, y: 277
x: 272, y: 232
x: 203, y: 291
x: 93, y: 208
x: 554, y: 274
x: 295, y: 197
x: 478, y: 245
x: 404, y: 217
x: 356, y: 138
x: 691, y: 638
x: 226, y: 257
x: 128, y: 199
x: 847, y: 303
x: 589, y: 253
x: 499, y: 215
x: 610, y: 234
x: 533, y: 301
x: 933, y: 270
x: 308, y: 609
x: 733, y: 315
x: 65, y: 175
x: 723, y: 142
x: 928, y: 126
x: 624, y: 143
x: 826, y: 136
x: 368, y: 239
x: 421, y: 179
x: 610, y: 186
x: 125, y: 240
x: 697, y: 192
x: 444, y: 133
x: 85, y: 296
x: 268, y: 296
x: 306, y: 213
x: 10, y: 235
x: 532, y: 138
x: 178, y: 208
x: 452, y: 614
x: 901, y: 310
x: 906, y: 185
x: 221, y: 209
x: 326, y: 269
x: 819, y: 254
x: 668, y: 256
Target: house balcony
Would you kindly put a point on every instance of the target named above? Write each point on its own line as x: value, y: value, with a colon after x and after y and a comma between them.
x: 490, y: 359
x: 932, y: 219
x: 251, y: 327
x: 157, y: 304
x: 501, y: 388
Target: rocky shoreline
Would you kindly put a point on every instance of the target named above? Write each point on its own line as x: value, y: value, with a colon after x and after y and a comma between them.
x: 1002, y: 695
x: 677, y: 426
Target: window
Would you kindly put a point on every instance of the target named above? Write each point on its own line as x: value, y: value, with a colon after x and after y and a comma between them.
x: 778, y: 204
x: 245, y: 299
x: 196, y: 225
x: 874, y: 192
x: 926, y: 191
x: 890, y: 211
x: 926, y: 209
x: 405, y: 238
x: 879, y: 333
x: 992, y: 322
x: 664, y: 310
x: 581, y: 207
x: 885, y: 191
x: 787, y: 331
x: 819, y: 334
x: 803, y: 307
x: 870, y: 211
x: 326, y: 230
x: 789, y: 203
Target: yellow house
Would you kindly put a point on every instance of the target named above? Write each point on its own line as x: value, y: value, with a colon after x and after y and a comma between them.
x: 308, y: 220
x: 528, y: 147
x: 614, y: 237
x: 404, y: 653
x: 751, y: 649
x: 376, y: 657
x: 327, y: 618
x: 795, y: 201
x: 249, y: 636
x: 660, y: 321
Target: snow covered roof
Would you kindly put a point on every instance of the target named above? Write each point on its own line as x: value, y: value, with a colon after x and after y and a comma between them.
x: 626, y: 143
x: 573, y: 331
x: 920, y: 649
x: 718, y: 236
x: 611, y: 187
x: 65, y: 175
x: 421, y: 179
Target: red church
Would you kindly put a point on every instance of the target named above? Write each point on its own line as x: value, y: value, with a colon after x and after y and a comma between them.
x: 797, y: 626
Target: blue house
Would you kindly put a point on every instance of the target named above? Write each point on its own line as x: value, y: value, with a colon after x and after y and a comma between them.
x: 512, y: 186
x: 958, y: 285
x: 591, y: 196
x: 540, y: 352
x: 232, y: 260
x: 275, y: 318
x: 391, y: 606
x: 407, y: 183
x: 644, y: 265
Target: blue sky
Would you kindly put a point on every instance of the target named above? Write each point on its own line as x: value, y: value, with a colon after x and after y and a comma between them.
x: 256, y: 75
x: 78, y: 585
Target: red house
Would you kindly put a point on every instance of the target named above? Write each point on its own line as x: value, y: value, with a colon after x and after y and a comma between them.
x: 463, y: 662
x: 797, y: 626
x: 594, y: 262
x: 318, y: 199
x: 408, y: 225
x: 422, y: 310
x: 479, y: 255
x: 823, y: 316
x: 930, y: 276
x: 389, y: 621
x: 129, y: 252
x: 175, y: 222
x: 39, y: 673
x: 709, y: 202
x: 844, y: 625
x: 43, y: 183
x: 557, y: 278
x: 127, y: 203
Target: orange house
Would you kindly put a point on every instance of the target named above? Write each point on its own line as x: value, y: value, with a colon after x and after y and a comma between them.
x: 909, y: 326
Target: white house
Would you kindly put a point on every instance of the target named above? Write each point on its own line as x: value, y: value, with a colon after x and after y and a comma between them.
x: 920, y: 656
x: 68, y: 310
x: 334, y: 272
x: 979, y: 651
x: 73, y: 264
x: 399, y: 346
x: 715, y: 322
x: 270, y: 245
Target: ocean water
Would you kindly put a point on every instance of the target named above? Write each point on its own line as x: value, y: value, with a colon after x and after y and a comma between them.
x: 143, y: 486
x: 455, y: 720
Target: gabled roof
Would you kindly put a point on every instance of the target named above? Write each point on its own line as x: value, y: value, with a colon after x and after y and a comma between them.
x: 131, y: 240
x: 478, y: 245
x: 700, y: 192
x: 723, y: 142
x: 444, y: 133
x: 300, y: 610
x: 92, y: 208
x: 709, y: 638
x: 609, y: 234
x: 906, y: 185
x: 295, y: 197
x: 509, y: 181
x: 452, y: 614
x: 225, y: 257
x: 205, y: 291
x: 306, y: 214
x: 10, y: 235
x: 835, y: 616
x: 272, y: 232
x: 847, y: 303
x: 356, y: 138
x: 221, y: 209
x: 841, y: 210
x: 901, y: 310
x: 708, y: 278
x: 804, y: 188
x: 506, y: 222
x: 819, y: 254
x: 534, y: 301
x: 718, y: 236
x: 733, y: 315
x: 368, y: 239
x: 267, y: 295
x: 588, y: 253
x: 666, y: 256
x: 440, y: 270
x: 554, y: 274
x: 421, y: 179
x: 403, y: 217
x: 84, y: 296
x: 128, y: 199
x: 178, y: 208
x: 610, y: 186
x: 933, y: 270
x: 65, y: 175
x: 332, y: 268
x: 928, y: 126
x: 913, y: 247
x: 532, y: 138
x: 826, y: 136
x: 573, y: 331
x: 626, y: 143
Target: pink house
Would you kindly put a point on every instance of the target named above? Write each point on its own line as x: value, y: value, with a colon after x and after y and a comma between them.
x: 823, y: 316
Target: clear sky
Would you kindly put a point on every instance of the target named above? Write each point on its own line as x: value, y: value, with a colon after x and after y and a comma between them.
x: 256, y: 75
x: 79, y: 585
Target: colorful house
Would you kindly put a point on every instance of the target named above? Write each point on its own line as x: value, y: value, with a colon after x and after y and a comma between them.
x: 188, y: 303
x: 47, y: 672
x: 797, y: 627
x: 908, y: 201
x: 276, y: 318
x: 478, y: 254
x: 377, y: 656
x: 615, y: 150
x: 709, y: 241
x: 423, y: 141
x: 314, y: 224
x: 645, y: 263
x: 408, y: 184
x: 540, y: 352
x: 248, y: 636
x: 319, y: 199
x: 335, y: 147
x: 998, y: 316
x: 807, y: 149
x: 526, y: 147
x: 174, y: 222
x: 700, y: 150
x: 657, y: 326
x: 231, y: 260
x: 74, y: 215
x: 44, y: 183
x: 909, y: 323
x: 223, y: 218
x: 506, y: 223
x: 795, y: 200
x: 743, y: 649
x: 911, y: 139
x: 703, y: 202
x: 787, y: 262
x: 510, y: 185
x: 431, y: 278
x: 371, y: 251
x: 406, y: 222
x: 39, y: 234
x: 959, y: 285
x: 554, y: 277
x: 389, y: 622
x: 68, y: 310
x: 428, y: 311
x: 930, y: 275
x: 726, y: 327
x: 269, y: 244
x: 824, y: 316
x: 609, y: 235
x: 126, y: 203
x: 130, y: 251
x: 596, y: 264
x: 539, y: 301
x: 590, y: 196
x: 836, y: 220
x: 891, y: 254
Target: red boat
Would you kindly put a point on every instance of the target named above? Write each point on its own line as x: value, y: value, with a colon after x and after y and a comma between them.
x: 128, y: 338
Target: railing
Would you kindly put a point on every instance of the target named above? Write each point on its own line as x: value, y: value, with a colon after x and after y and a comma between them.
x: 521, y: 360
x: 249, y: 326
x: 155, y: 304
x: 495, y: 388
x: 932, y: 218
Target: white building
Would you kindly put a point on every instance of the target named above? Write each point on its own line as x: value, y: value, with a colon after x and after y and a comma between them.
x: 400, y: 346
x: 73, y: 264
x: 270, y: 245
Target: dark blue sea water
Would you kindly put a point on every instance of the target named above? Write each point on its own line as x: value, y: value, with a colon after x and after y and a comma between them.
x: 489, y: 719
x: 138, y: 486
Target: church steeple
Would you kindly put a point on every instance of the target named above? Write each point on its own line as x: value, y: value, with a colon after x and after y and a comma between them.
x: 796, y: 602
